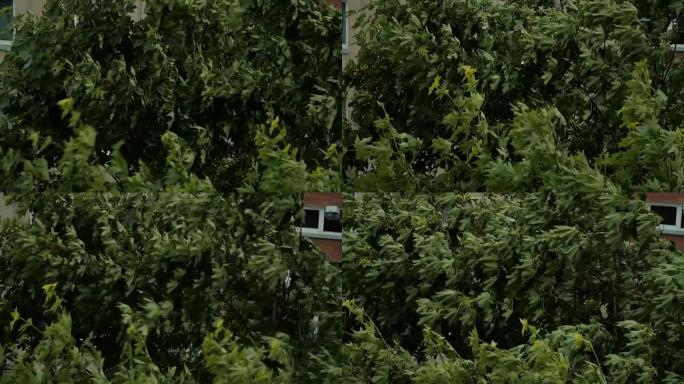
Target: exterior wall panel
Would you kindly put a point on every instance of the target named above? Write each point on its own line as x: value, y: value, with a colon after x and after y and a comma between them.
x: 668, y: 198
x: 331, y: 247
x: 6, y: 211
x: 35, y: 7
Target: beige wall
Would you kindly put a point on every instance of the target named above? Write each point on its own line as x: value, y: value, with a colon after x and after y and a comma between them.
x: 36, y: 7
x: 33, y: 6
x: 140, y: 12
x: 22, y: 6
x: 353, y: 48
x: 6, y: 211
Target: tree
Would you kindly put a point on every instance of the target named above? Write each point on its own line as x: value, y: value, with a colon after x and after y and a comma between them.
x: 143, y: 278
x: 163, y: 278
x: 175, y: 269
x: 210, y: 72
x: 555, y: 286
x: 439, y: 89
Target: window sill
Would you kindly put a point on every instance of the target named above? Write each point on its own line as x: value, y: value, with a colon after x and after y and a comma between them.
x: 672, y: 231
x: 317, y: 234
x: 5, y: 45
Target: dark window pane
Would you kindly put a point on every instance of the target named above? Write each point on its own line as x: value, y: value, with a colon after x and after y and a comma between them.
x: 333, y: 224
x: 669, y: 214
x: 311, y: 218
x: 5, y: 18
x: 680, y: 27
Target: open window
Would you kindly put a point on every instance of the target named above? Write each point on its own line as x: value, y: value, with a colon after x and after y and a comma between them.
x: 345, y: 28
x: 672, y: 217
x: 677, y: 26
x: 6, y: 16
x: 322, y: 223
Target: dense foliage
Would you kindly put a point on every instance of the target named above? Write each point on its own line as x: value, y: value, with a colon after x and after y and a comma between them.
x: 205, y: 285
x: 275, y: 168
x: 553, y: 287
x: 556, y: 287
x: 192, y: 132
x: 163, y: 278
x: 438, y: 89
x: 210, y: 72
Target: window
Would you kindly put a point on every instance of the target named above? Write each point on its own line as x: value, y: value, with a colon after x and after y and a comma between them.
x: 311, y: 218
x: 345, y: 28
x: 332, y: 225
x: 6, y: 15
x: 678, y: 27
x: 318, y: 224
x: 672, y: 217
x: 668, y: 214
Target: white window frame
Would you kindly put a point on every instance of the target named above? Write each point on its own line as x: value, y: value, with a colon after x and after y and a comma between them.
x: 319, y: 233
x: 678, y: 228
x: 7, y: 44
x: 675, y: 47
x: 345, y: 27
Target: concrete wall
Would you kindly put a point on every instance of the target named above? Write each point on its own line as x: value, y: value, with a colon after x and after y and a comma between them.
x: 6, y: 211
x: 23, y: 6
x: 353, y: 49
x: 35, y: 7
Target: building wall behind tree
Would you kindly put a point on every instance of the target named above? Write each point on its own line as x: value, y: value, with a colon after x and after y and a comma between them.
x: 6, y: 210
x: 668, y: 198
x: 35, y: 7
x: 352, y: 48
x: 332, y: 248
x: 677, y: 240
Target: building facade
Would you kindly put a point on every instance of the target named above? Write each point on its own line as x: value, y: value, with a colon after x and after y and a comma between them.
x: 6, y: 210
x: 670, y: 206
x: 34, y: 7
x: 322, y: 222
x: 678, y: 45
x: 349, y: 46
x: 10, y: 9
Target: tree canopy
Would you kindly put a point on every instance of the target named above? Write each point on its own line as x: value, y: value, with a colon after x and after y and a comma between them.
x: 158, y: 166
x: 161, y: 162
x: 163, y: 287
x: 553, y: 287
x: 442, y: 91
x: 209, y: 72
